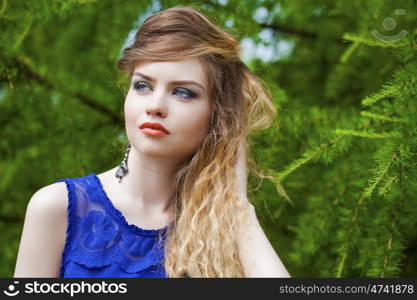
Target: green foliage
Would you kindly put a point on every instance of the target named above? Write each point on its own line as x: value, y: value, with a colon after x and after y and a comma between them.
x: 343, y: 146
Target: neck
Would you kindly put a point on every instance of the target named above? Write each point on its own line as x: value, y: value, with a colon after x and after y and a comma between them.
x: 149, y: 183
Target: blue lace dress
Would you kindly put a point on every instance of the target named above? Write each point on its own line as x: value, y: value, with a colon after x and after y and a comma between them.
x: 99, y: 241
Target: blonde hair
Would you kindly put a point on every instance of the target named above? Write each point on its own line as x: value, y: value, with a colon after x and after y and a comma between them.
x: 209, y: 215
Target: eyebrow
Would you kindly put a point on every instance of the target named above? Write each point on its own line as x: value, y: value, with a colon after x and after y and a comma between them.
x: 147, y: 77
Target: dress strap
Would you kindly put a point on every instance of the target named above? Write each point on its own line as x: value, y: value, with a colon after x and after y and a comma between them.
x: 71, y: 212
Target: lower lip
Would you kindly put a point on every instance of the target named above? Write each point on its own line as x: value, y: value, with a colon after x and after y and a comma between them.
x: 153, y: 132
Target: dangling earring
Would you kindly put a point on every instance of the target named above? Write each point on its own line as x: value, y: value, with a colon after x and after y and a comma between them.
x: 123, y: 169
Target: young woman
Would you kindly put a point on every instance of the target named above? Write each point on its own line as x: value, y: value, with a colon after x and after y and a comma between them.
x: 177, y: 205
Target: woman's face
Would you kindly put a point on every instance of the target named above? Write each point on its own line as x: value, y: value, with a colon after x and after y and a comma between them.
x: 183, y: 108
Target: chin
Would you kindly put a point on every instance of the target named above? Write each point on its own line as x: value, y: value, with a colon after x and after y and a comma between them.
x: 152, y: 151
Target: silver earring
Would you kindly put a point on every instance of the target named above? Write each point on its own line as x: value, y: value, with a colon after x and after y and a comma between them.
x: 123, y: 169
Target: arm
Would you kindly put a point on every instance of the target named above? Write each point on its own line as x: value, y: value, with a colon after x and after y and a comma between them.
x: 43, y: 235
x: 257, y: 255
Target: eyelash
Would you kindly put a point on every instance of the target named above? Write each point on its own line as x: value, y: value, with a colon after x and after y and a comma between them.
x: 190, y: 94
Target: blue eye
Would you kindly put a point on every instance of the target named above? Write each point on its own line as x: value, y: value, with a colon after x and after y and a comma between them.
x: 181, y: 92
x: 188, y: 94
x: 137, y: 85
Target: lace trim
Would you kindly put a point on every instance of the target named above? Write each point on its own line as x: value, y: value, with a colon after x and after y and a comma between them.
x: 99, y: 239
x: 108, y: 204
x: 125, y: 264
x: 101, y: 242
x: 69, y: 231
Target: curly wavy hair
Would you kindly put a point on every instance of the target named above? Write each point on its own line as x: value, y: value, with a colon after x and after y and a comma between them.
x: 209, y: 215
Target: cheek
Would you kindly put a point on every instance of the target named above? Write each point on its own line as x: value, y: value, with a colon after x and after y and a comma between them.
x: 131, y: 113
x: 132, y: 106
x: 128, y: 105
x: 193, y: 127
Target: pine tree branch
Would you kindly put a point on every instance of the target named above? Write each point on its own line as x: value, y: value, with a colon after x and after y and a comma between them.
x: 390, y: 238
x: 389, y: 154
x: 11, y: 219
x: 343, y: 256
x: 283, y: 28
x: 368, y: 114
x: 366, y: 194
x: 310, y: 155
x: 388, y: 90
x: 30, y: 73
x: 368, y: 134
x: 374, y: 42
x: 301, y: 33
x: 275, y: 26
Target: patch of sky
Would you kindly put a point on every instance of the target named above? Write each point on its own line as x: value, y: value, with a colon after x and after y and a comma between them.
x: 261, y: 15
x: 270, y: 49
x: 318, y: 11
x: 55, y: 98
x: 154, y: 7
x: 229, y: 23
x: 122, y: 137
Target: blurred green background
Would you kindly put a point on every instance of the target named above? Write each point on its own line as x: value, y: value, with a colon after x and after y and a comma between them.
x: 343, y: 75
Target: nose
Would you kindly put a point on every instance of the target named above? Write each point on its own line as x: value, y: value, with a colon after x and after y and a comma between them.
x: 157, y: 105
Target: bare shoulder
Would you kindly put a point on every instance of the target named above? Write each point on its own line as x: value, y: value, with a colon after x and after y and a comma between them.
x: 51, y: 199
x: 43, y: 234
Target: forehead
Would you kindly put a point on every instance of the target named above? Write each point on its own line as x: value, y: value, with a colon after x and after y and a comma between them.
x: 186, y: 69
